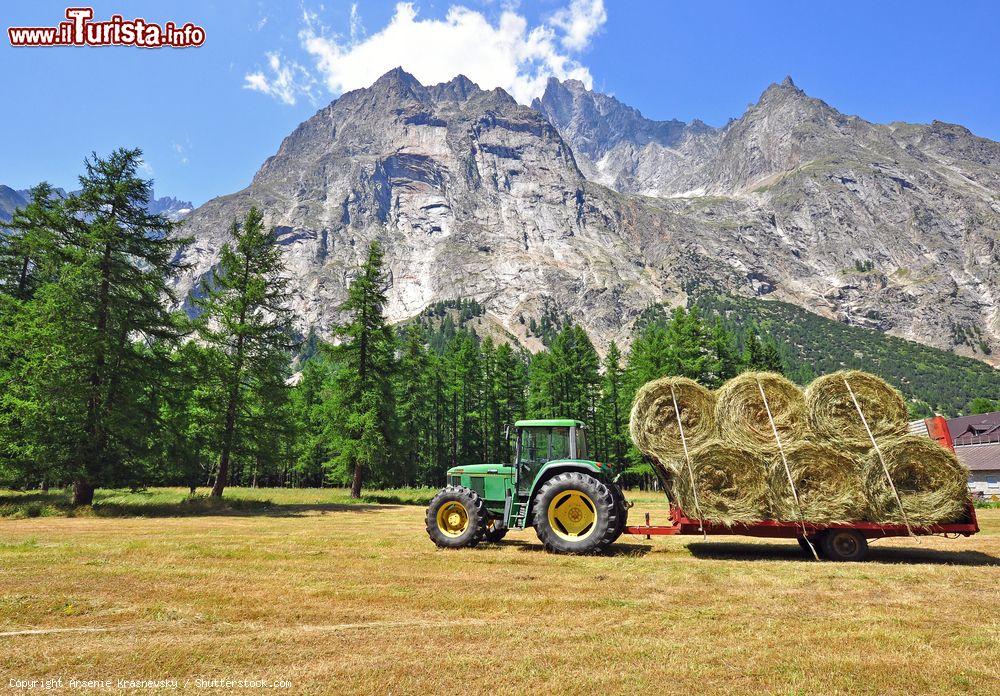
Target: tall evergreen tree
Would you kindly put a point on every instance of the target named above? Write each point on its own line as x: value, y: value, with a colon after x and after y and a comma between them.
x: 612, y: 411
x: 30, y: 243
x: 246, y: 319
x: 93, y: 339
x: 411, y: 395
x: 360, y: 411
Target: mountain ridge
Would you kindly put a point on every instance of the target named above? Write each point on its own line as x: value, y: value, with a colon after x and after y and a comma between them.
x: 582, y: 202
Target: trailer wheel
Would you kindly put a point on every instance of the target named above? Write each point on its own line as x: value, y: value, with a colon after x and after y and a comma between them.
x: 575, y: 513
x: 843, y: 545
x: 495, y: 531
x: 456, y: 517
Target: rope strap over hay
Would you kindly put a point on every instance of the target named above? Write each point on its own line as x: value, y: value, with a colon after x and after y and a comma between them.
x: 788, y: 471
x: 687, y: 458
x: 741, y: 416
x: 878, y: 452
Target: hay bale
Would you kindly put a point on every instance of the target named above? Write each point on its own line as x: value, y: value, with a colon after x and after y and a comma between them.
x: 833, y: 417
x: 731, y: 483
x: 741, y: 416
x: 653, y: 421
x: 931, y: 482
x: 828, y: 483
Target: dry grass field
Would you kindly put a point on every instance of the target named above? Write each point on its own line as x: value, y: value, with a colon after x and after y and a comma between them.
x: 335, y: 598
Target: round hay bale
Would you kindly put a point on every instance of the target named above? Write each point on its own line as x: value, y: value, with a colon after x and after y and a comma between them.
x: 833, y: 417
x: 653, y: 421
x: 828, y: 483
x: 731, y: 483
x: 931, y: 482
x: 741, y: 416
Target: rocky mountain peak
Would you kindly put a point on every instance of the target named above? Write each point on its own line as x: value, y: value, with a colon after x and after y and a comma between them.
x: 583, y: 204
x: 459, y: 88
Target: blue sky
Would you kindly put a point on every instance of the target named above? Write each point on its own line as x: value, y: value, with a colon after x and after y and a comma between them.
x: 207, y: 117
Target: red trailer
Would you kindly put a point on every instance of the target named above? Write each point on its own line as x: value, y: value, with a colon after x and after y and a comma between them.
x: 838, y: 542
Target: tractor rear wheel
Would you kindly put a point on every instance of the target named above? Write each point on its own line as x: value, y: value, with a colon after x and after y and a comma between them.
x: 575, y: 513
x: 622, y: 511
x: 456, y: 517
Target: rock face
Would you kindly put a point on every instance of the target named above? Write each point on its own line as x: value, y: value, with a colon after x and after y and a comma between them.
x: 582, y: 203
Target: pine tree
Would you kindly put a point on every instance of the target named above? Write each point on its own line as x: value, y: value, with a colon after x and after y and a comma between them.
x: 93, y: 340
x: 511, y: 379
x: 411, y: 395
x: 245, y: 318
x: 612, y: 409
x: 360, y: 410
x: 307, y: 412
x: 29, y: 246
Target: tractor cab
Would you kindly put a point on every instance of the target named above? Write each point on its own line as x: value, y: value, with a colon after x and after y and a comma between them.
x: 572, y: 501
x: 539, y: 442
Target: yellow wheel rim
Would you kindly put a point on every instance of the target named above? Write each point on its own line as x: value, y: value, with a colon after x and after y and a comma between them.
x: 452, y: 518
x: 572, y: 515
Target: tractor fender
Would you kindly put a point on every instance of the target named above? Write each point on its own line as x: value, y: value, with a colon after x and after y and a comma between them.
x: 560, y: 466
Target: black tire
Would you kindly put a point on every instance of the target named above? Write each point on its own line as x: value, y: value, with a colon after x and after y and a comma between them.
x: 459, y: 500
x: 622, y: 511
x: 593, y: 538
x: 805, y: 546
x: 495, y: 531
x: 843, y: 545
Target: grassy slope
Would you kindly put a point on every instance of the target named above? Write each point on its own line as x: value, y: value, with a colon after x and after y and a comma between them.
x: 946, y: 381
x: 356, y: 599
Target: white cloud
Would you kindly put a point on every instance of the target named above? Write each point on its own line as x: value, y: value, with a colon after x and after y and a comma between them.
x: 580, y: 21
x: 286, y: 81
x: 508, y: 54
x: 357, y: 28
x: 181, y: 152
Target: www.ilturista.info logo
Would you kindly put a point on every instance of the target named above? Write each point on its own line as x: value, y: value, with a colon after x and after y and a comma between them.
x: 79, y: 30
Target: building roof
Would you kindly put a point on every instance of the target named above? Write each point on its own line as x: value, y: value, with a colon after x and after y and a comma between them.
x: 980, y: 457
x: 547, y: 423
x: 971, y: 430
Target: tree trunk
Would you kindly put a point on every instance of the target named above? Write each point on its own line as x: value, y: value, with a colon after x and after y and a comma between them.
x: 222, y: 478
x: 83, y: 492
x: 45, y: 485
x: 356, y: 481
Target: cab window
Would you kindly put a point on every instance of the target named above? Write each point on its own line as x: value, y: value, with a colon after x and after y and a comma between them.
x: 560, y: 443
x: 540, y: 445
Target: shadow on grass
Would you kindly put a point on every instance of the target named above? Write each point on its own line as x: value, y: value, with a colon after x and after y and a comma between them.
x: 617, y: 549
x: 736, y: 551
x: 30, y: 505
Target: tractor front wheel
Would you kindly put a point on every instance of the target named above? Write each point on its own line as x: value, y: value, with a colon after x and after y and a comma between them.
x: 575, y: 513
x: 456, y: 517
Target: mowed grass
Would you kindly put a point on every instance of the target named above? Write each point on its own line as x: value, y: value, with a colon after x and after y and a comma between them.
x: 340, y: 598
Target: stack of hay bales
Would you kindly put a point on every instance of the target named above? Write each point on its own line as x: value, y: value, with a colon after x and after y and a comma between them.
x: 734, y: 471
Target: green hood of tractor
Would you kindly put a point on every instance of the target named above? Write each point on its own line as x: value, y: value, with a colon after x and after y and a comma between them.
x: 507, y: 469
x: 481, y: 469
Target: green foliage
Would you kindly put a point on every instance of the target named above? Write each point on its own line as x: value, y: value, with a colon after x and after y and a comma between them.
x: 810, y: 345
x: 359, y: 411
x: 983, y: 405
x: 246, y: 321
x: 87, y: 335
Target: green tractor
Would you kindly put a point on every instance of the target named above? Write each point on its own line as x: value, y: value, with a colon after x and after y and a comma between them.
x: 572, y: 502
